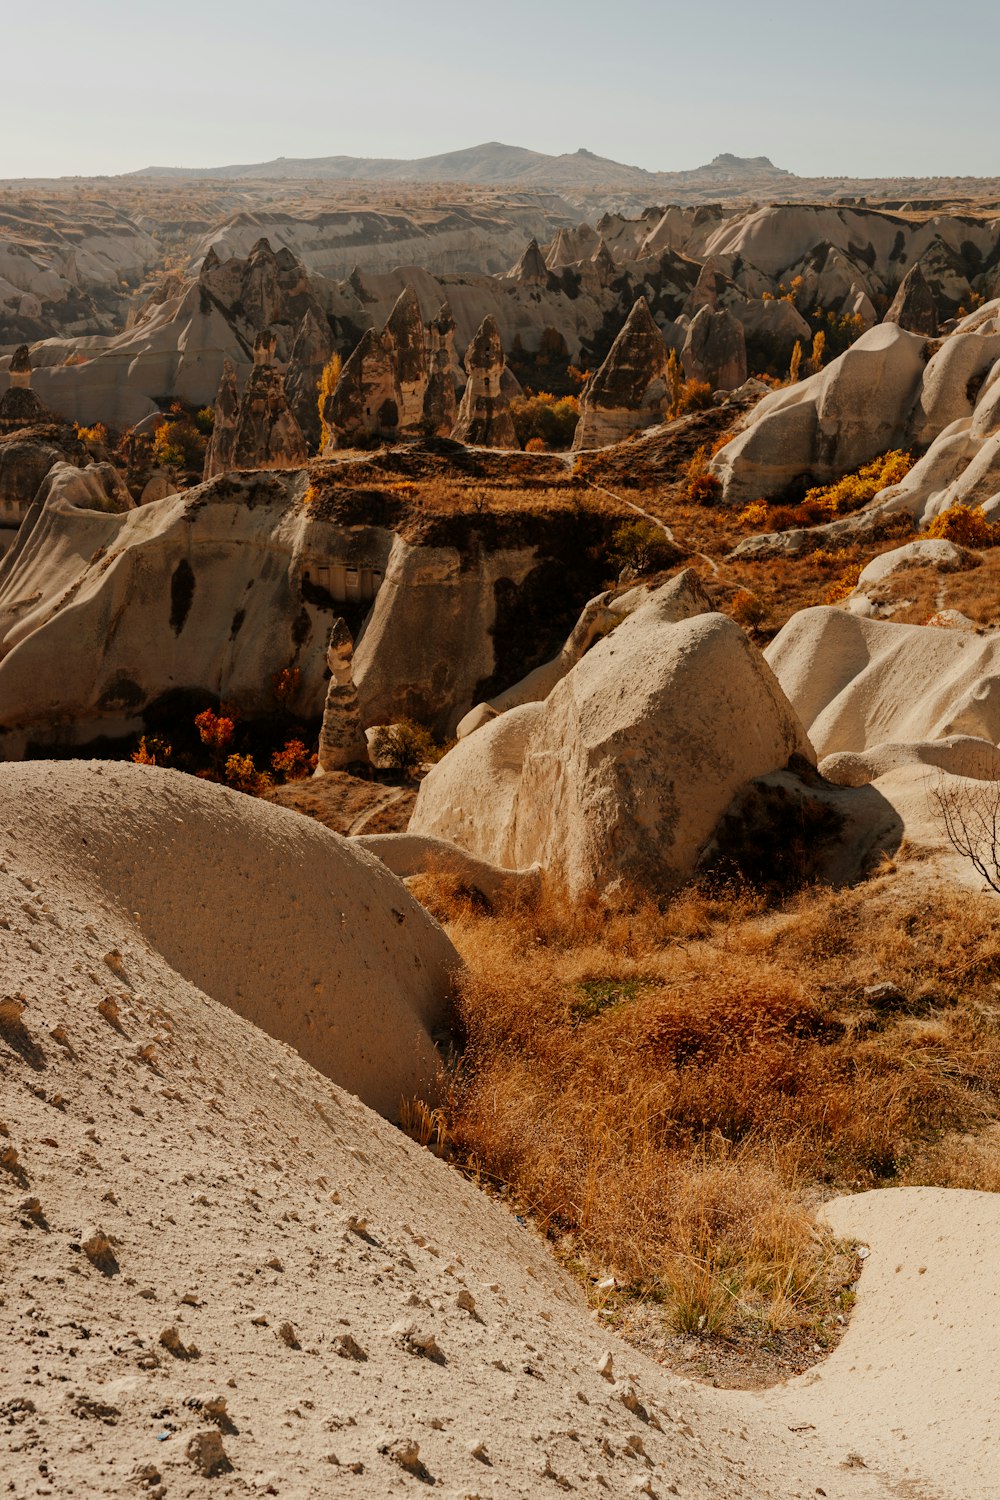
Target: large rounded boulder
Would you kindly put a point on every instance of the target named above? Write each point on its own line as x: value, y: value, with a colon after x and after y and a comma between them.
x: 621, y: 776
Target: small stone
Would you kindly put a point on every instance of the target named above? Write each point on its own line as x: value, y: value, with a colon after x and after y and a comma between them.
x: 110, y: 1010
x: 96, y: 1247
x: 357, y: 1224
x: 206, y: 1453
x: 606, y: 1365
x: 406, y: 1453
x: 466, y: 1301
x: 348, y: 1347
x: 287, y: 1335
x: 480, y: 1451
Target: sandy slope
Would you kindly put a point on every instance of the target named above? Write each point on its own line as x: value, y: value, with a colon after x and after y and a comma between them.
x: 263, y: 1215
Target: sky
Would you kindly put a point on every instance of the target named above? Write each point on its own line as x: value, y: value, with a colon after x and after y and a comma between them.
x: 879, y: 88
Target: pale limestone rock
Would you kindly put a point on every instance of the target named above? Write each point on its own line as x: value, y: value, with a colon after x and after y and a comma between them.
x: 440, y: 397
x: 405, y: 343
x: 267, y: 435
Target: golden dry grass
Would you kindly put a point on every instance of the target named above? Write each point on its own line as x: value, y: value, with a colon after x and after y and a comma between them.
x: 669, y: 1093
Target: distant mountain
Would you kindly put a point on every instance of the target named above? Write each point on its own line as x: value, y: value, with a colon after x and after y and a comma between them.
x: 492, y: 164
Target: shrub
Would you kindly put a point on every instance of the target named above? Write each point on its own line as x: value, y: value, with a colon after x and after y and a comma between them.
x: 747, y: 609
x: 404, y: 747
x: 964, y: 525
x: 178, y: 444
x: 243, y: 776
x: 705, y: 490
x: 547, y: 419
x: 535, y: 445
x: 755, y: 514
x: 293, y: 762
x: 642, y: 546
x: 855, y: 490
x: 325, y: 387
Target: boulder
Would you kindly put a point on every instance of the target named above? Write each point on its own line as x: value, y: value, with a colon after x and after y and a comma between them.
x: 926, y: 552
x: 484, y: 418
x: 621, y: 776
x: 715, y: 349
x: 913, y: 306
x: 629, y: 391
x: 957, y: 754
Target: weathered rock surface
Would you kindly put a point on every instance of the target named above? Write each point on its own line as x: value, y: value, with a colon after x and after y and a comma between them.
x: 341, y: 737
x: 222, y: 439
x: 484, y: 418
x: 622, y: 774
x: 852, y: 681
x: 312, y: 349
x: 629, y: 392
x: 266, y: 435
x: 19, y: 405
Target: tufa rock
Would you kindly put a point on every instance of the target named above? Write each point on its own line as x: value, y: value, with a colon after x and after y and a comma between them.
x: 365, y: 401
x: 484, y: 418
x: 312, y: 347
x: 629, y: 391
x: 267, y: 435
x: 404, y: 343
x: 19, y: 405
x: 219, y: 451
x: 913, y: 306
x: 341, y: 739
x: 440, y: 399
x: 715, y: 349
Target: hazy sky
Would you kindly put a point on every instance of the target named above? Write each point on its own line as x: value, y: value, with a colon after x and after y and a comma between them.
x: 860, y: 87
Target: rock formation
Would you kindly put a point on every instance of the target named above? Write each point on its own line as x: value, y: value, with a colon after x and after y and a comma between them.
x: 629, y: 391
x: 829, y: 424
x: 267, y: 435
x: 341, y: 740
x: 913, y: 306
x: 531, y: 269
x: 222, y: 440
x: 19, y: 405
x: 851, y: 680
x: 365, y: 401
x: 311, y: 350
x: 621, y: 776
x: 715, y: 349
x: 405, y: 344
x: 440, y: 398
x: 484, y: 418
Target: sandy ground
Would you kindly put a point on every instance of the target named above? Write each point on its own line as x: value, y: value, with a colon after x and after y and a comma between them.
x: 224, y: 1275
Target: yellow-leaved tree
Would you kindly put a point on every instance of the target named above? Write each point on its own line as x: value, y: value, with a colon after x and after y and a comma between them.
x: 325, y: 387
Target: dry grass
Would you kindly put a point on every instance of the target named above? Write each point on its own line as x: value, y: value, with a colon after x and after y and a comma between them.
x: 669, y: 1093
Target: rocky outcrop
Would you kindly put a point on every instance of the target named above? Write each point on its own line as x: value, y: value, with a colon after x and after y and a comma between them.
x: 267, y: 435
x: 222, y: 441
x: 399, y: 383
x: 365, y: 401
x: 715, y: 349
x: 621, y: 776
x: 405, y: 344
x: 829, y: 424
x: 913, y: 306
x: 19, y: 405
x: 629, y: 391
x: 531, y: 269
x: 852, y: 681
x: 311, y: 350
x: 440, y: 398
x: 484, y: 418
